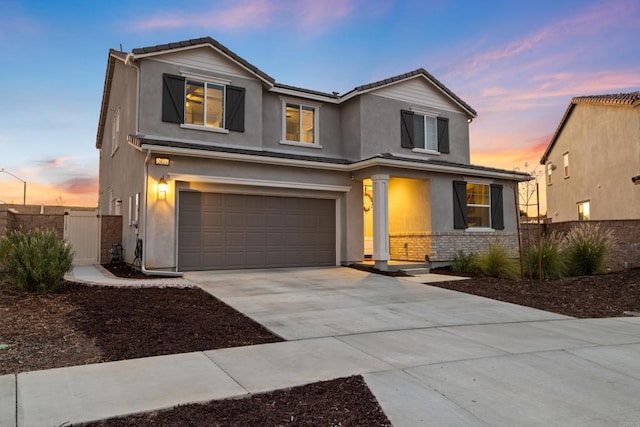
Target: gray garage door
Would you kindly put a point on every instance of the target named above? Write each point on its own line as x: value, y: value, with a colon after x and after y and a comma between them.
x: 218, y: 231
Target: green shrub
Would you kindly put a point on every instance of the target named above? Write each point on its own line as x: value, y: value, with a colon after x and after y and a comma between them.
x: 36, y: 261
x: 554, y: 265
x: 587, y: 248
x: 465, y: 263
x: 497, y: 262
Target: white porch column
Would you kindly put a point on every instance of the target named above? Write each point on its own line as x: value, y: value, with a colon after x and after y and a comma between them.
x: 380, y: 221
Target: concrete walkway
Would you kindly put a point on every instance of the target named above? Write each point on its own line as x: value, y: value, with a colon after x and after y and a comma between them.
x: 430, y: 356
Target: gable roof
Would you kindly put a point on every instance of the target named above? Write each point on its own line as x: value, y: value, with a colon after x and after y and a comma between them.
x: 203, y: 41
x: 631, y: 99
x: 419, y: 73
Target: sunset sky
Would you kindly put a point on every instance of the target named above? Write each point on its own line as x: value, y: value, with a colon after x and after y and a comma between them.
x: 517, y: 63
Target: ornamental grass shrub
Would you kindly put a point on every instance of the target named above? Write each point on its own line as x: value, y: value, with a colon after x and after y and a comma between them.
x: 554, y: 265
x: 587, y: 248
x: 497, y: 262
x: 465, y: 263
x: 36, y: 261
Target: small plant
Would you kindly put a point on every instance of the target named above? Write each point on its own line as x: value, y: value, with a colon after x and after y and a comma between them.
x: 554, y: 265
x: 587, y: 248
x: 497, y: 262
x: 35, y: 261
x: 465, y: 263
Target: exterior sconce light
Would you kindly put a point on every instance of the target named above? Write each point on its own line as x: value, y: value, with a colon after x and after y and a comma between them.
x: 162, y: 189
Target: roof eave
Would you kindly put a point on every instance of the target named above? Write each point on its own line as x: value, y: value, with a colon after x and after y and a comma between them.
x: 213, y: 44
x: 106, y: 93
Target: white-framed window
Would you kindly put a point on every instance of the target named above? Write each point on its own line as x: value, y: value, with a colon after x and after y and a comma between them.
x: 478, y: 205
x: 115, y: 131
x: 204, y: 104
x: 425, y: 131
x: 110, y: 200
x: 300, y: 123
x: 130, y: 211
x: 136, y: 211
x: 549, y: 174
x: 565, y: 161
x: 584, y: 209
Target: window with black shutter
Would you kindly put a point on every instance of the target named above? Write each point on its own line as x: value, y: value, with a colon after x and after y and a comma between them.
x: 196, y: 103
x: 424, y: 132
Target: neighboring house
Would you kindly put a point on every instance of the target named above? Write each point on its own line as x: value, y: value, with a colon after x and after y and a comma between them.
x: 214, y: 165
x: 593, y: 160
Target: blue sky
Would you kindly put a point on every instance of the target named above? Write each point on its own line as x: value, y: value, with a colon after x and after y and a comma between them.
x: 517, y: 63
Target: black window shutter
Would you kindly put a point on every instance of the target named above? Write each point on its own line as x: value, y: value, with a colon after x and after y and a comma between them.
x: 172, y: 98
x: 234, y: 110
x: 443, y: 135
x: 460, y: 205
x: 497, y: 208
x: 406, y: 129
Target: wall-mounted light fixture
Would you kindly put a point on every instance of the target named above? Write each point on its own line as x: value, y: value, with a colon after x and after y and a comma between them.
x: 162, y: 189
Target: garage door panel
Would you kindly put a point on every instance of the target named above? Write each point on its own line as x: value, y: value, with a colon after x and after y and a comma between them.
x: 219, y: 231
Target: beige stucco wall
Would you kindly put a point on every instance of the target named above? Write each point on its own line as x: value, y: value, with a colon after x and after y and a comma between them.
x: 603, y: 143
x: 122, y: 172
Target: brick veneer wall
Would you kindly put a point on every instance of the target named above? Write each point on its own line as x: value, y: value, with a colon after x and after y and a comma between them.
x: 110, y: 234
x: 28, y: 222
x: 443, y: 246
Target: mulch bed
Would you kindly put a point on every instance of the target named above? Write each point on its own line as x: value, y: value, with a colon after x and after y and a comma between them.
x: 341, y: 402
x: 84, y: 324
x: 606, y: 295
x: 127, y: 271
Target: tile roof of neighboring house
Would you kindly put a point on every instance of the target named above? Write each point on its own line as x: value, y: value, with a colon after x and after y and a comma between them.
x: 204, y: 41
x: 631, y: 99
x: 311, y: 91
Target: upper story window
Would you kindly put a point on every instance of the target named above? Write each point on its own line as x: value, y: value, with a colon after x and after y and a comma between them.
x: 565, y: 160
x: 549, y: 174
x: 205, y: 105
x: 115, y: 131
x: 477, y: 206
x: 300, y: 124
x: 424, y: 132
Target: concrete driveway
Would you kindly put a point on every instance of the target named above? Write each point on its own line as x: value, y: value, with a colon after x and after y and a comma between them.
x: 451, y: 358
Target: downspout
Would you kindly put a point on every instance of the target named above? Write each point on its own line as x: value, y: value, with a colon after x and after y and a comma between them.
x: 144, y: 230
x: 129, y: 61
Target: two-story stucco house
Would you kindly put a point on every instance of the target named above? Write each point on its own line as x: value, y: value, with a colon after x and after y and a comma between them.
x: 215, y: 165
x: 592, y: 159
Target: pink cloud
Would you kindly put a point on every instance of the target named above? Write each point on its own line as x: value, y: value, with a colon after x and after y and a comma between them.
x: 254, y: 14
x: 588, y: 21
x: 250, y: 14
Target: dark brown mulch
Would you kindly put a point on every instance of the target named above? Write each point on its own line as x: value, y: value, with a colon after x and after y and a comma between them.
x: 398, y: 273
x: 341, y: 402
x: 127, y: 271
x: 84, y: 324
x: 606, y: 295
